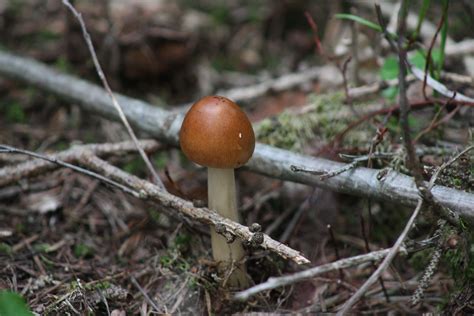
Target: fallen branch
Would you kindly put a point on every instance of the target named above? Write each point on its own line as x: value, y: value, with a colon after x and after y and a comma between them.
x: 275, y: 282
x: 13, y: 173
x: 267, y: 160
x: 86, y: 156
x: 279, y: 84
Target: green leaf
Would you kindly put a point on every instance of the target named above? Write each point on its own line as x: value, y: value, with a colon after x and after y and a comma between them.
x: 436, y: 55
x: 360, y: 20
x: 418, y: 60
x: 12, y: 304
x: 5, y: 249
x: 390, y: 93
x: 444, y: 35
x: 389, y: 69
x: 421, y: 17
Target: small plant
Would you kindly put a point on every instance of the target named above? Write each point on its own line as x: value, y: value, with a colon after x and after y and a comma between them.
x: 13, y: 304
x: 82, y: 251
x: 14, y: 112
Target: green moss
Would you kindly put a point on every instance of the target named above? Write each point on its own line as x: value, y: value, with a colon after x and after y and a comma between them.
x: 14, y: 112
x: 460, y: 260
x: 420, y: 260
x: 5, y: 249
x: 20, y: 228
x: 63, y: 64
x: 161, y: 160
x: 102, y: 285
x: 220, y: 14
x: 182, y: 240
x: 135, y: 166
x: 321, y: 121
x: 83, y: 251
x: 155, y: 215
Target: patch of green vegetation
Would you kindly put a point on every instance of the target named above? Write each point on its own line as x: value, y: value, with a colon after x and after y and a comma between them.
x: 420, y: 260
x: 49, y: 264
x: 61, y: 145
x: 388, y: 223
x: 154, y: 214
x: 389, y: 68
x: 161, y: 160
x: 135, y: 166
x: 193, y: 283
x: 14, y: 112
x: 220, y: 14
x: 223, y: 62
x: 461, y: 264
x: 13, y: 304
x: 254, y: 12
x: 166, y: 261
x: 82, y: 250
x: 41, y: 247
x: 5, y: 249
x: 47, y: 35
x: 15, y: 6
x: 20, y: 228
x: 101, y: 285
x: 182, y: 241
x: 321, y: 120
x: 90, y: 136
x: 394, y: 127
x: 183, y: 266
x: 271, y: 62
x: 460, y: 260
x: 390, y: 93
x: 63, y: 64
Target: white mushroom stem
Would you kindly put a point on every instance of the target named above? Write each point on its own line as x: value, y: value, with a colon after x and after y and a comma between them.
x: 222, y: 198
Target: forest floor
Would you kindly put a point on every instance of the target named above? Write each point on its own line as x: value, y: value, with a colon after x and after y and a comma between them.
x: 70, y: 244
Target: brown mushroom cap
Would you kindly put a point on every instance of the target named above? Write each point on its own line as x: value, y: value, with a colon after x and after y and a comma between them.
x: 216, y: 133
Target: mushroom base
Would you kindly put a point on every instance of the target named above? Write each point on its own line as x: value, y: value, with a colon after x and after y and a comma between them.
x: 222, y: 198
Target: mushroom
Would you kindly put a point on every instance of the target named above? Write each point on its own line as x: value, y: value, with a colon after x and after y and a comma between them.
x: 217, y: 134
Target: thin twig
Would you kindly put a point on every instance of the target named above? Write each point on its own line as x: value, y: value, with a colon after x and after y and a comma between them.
x: 90, y: 46
x: 145, y: 295
x: 392, y: 252
x: 275, y: 282
x: 435, y: 123
x: 412, y: 162
x: 430, y: 49
x: 336, y: 249
x: 447, y: 164
x: 367, y: 249
x: 13, y: 150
